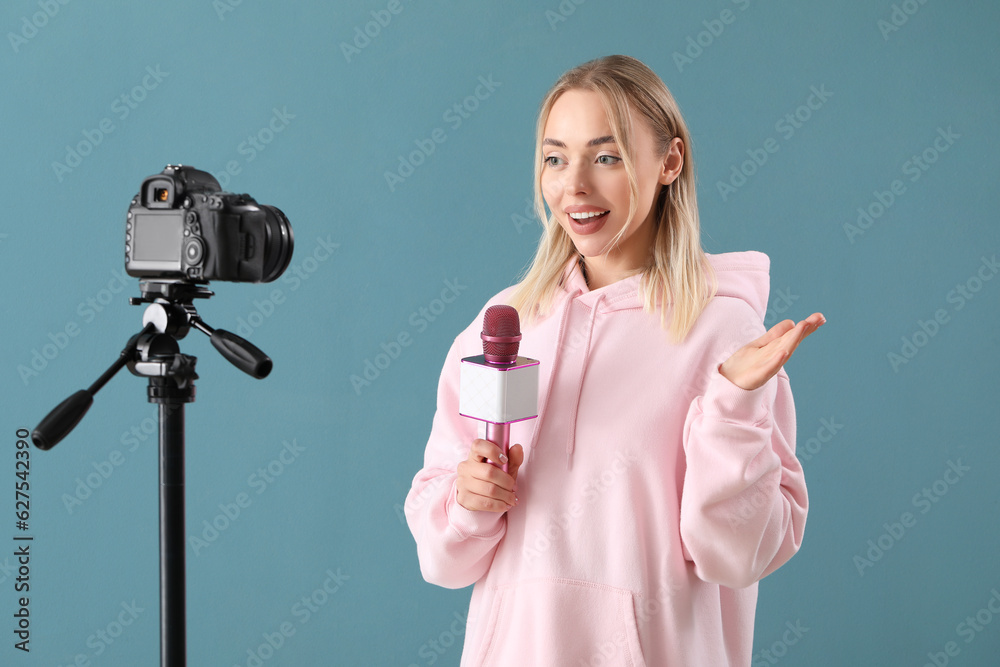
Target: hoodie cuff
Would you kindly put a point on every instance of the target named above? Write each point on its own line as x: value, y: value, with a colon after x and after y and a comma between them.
x: 726, y: 401
x: 472, y: 524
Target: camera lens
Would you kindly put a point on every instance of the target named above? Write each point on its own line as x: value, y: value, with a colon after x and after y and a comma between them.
x: 278, y: 243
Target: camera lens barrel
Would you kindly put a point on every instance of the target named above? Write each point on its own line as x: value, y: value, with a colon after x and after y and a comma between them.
x: 279, y: 242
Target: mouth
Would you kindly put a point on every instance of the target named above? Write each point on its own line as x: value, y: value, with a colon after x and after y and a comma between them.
x: 587, y: 222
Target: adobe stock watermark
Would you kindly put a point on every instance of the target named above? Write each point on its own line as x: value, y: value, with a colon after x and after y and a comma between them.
x: 714, y: 28
x: 773, y: 654
x: 927, y: 329
x: 924, y: 500
x: 576, y: 337
x: 562, y: 12
x: 617, y: 651
x: 968, y: 630
x: 258, y: 482
x: 558, y: 524
x: 913, y: 168
x: 121, y: 108
x: 528, y: 217
x: 363, y: 37
x: 299, y: 271
x: 608, y: 652
x: 29, y: 26
x: 99, y: 472
x: 778, y: 305
x: 898, y: 17
x: 827, y: 431
x: 302, y: 610
x: 435, y: 647
x: 255, y: 144
x: 41, y: 356
x: 417, y: 501
x: 223, y: 7
x: 787, y: 126
x: 420, y: 320
x: 750, y: 501
x: 102, y: 639
x: 7, y: 570
x: 455, y: 115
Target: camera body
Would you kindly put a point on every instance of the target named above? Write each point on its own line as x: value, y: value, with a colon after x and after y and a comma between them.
x: 181, y: 227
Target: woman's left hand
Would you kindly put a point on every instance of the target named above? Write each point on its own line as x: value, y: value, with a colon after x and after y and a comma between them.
x: 756, y: 362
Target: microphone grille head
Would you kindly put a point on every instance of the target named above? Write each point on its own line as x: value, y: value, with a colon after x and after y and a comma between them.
x: 501, y: 334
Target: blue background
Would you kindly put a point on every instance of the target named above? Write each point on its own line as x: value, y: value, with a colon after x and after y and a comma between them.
x: 372, y: 259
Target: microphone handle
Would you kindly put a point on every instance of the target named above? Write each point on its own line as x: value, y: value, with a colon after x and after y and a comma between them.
x: 499, y: 434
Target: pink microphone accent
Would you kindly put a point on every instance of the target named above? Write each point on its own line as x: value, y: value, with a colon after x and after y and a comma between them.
x: 501, y: 334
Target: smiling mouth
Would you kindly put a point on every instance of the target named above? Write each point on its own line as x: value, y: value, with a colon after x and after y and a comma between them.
x: 588, y: 217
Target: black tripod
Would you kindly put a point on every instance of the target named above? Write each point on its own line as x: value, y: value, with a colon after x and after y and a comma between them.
x: 154, y: 353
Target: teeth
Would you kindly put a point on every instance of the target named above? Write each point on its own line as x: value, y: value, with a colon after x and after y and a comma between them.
x: 584, y: 216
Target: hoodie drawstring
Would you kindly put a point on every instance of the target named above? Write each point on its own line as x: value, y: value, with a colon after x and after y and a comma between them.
x: 557, y: 360
x: 571, y: 439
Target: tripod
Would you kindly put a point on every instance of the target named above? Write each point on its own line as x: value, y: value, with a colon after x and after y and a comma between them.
x: 155, y: 354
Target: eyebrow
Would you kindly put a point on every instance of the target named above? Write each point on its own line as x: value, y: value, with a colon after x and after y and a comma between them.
x: 607, y: 139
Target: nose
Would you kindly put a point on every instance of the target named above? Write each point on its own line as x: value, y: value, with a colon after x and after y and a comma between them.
x: 577, y: 180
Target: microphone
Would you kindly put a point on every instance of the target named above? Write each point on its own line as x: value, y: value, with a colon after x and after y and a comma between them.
x: 499, y: 387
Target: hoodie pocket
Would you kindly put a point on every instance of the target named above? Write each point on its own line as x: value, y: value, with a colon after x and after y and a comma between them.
x: 560, y: 622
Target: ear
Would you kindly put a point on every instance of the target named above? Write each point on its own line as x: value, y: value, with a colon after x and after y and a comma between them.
x: 673, y: 162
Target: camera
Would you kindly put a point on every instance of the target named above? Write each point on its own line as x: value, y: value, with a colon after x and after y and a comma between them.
x: 181, y: 227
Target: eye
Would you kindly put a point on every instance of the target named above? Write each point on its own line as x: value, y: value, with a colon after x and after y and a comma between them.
x: 554, y: 161
x: 608, y: 159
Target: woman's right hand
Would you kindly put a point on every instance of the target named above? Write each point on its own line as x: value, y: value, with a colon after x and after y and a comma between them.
x: 484, y: 486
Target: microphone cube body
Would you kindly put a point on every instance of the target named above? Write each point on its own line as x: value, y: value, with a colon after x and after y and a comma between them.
x: 498, y: 394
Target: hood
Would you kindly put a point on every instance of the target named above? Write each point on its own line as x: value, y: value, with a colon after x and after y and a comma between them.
x: 740, y: 275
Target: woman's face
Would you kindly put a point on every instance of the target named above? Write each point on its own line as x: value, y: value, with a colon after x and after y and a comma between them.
x: 585, y: 185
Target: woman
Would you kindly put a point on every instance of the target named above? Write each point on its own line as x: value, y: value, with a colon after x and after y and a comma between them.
x: 659, y: 482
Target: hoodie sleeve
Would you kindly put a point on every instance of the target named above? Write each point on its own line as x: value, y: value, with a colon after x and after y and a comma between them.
x: 455, y: 546
x: 743, y: 506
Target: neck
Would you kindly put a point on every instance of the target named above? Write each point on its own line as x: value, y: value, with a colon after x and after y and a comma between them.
x: 601, y: 271
x: 626, y: 259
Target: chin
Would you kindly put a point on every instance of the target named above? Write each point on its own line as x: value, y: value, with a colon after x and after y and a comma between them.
x: 592, y: 248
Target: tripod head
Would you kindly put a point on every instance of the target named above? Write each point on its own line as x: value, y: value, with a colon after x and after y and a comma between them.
x: 172, y: 312
x: 155, y: 353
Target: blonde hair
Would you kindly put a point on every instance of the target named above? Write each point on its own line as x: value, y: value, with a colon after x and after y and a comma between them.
x: 678, y: 273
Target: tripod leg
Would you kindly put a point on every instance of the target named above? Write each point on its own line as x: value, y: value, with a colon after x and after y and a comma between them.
x: 173, y: 585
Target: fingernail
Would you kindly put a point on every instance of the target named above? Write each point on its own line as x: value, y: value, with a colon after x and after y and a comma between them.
x: 503, y: 458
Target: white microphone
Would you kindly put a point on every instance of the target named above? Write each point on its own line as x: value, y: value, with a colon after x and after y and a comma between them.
x: 499, y: 387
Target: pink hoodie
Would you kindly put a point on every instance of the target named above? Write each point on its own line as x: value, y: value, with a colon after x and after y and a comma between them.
x: 653, y: 496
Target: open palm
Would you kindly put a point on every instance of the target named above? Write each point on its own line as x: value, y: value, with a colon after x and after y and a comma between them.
x: 756, y: 362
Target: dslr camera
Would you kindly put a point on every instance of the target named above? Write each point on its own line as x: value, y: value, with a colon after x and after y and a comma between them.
x: 183, y: 228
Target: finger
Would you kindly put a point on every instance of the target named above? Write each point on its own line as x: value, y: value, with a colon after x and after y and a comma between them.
x: 802, y: 330
x: 477, y: 503
x: 516, y: 458
x: 485, y: 472
x: 811, y: 323
x: 484, y: 450
x: 774, y: 333
x: 489, y: 489
x: 818, y: 319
